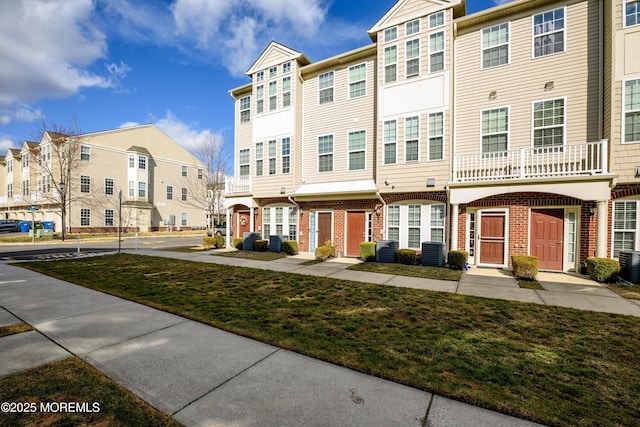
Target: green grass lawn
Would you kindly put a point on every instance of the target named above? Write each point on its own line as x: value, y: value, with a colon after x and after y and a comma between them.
x: 424, y: 272
x: 72, y: 380
x: 557, y: 366
x: 17, y: 328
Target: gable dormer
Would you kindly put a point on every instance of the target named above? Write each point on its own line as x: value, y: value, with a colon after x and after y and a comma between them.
x: 274, y: 55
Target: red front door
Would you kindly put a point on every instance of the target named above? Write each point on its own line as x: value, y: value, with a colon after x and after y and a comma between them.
x: 492, y: 239
x: 355, y: 232
x: 244, y: 223
x: 324, y: 228
x: 547, y: 231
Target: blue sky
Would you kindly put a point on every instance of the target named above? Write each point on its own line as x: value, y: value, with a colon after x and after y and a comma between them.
x: 112, y: 63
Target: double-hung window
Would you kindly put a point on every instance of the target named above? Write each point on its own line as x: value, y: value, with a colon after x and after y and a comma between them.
x: 272, y: 151
x: 85, y: 184
x: 411, y: 135
x: 260, y: 76
x: 286, y: 155
x: 495, y: 45
x: 437, y: 223
x: 132, y: 161
x: 436, y: 20
x: 325, y: 153
x: 132, y: 189
x: 25, y: 187
x: 631, y: 12
x: 273, y: 95
x: 436, y: 52
x: 273, y: 72
x: 266, y: 221
x: 390, y: 64
x: 412, y: 27
x: 183, y: 219
x: 393, y: 222
x: 436, y: 136
x: 184, y: 194
x: 259, y: 155
x: 286, y: 67
x: 142, y: 162
x: 495, y: 130
x: 245, y: 109
x: 390, y: 141
x: 85, y: 217
x: 413, y: 223
x: 85, y: 153
x: 108, y: 186
x: 357, y: 81
x: 286, y: 92
x: 325, y: 87
x: 243, y: 162
x: 548, y: 32
x: 632, y: 111
x: 548, y: 123
x: 142, y: 190
x: 625, y: 226
x: 169, y: 192
x: 260, y: 99
x: 184, y: 170
x: 357, y: 141
x: 390, y: 34
x: 108, y: 218
x: 412, y: 55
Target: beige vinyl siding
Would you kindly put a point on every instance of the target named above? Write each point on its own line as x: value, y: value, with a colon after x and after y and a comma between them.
x: 338, y: 118
x: 522, y: 81
x: 269, y: 185
x: 297, y: 139
x: 412, y: 8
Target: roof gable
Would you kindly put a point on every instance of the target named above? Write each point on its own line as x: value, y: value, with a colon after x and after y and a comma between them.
x: 276, y: 53
x: 406, y: 10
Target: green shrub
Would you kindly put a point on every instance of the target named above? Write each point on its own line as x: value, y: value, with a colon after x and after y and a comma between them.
x: 260, y: 245
x: 525, y: 266
x: 208, y: 242
x: 237, y: 243
x: 407, y: 256
x: 457, y: 259
x: 323, y: 253
x: 328, y: 244
x: 290, y: 247
x: 218, y: 241
x: 603, y: 269
x: 368, y: 251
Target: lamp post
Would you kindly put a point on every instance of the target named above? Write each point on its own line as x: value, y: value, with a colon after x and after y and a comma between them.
x: 62, y: 188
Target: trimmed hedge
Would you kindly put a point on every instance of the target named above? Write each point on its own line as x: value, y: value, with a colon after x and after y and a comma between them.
x: 525, y: 266
x: 208, y: 242
x: 260, y: 245
x: 237, y: 243
x: 457, y: 259
x: 290, y: 247
x: 603, y: 269
x: 219, y: 241
x: 407, y: 256
x: 368, y: 251
x: 323, y: 253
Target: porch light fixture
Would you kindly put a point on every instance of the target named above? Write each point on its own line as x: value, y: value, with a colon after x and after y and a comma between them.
x: 593, y: 210
x: 282, y: 190
x: 301, y: 212
x: 493, y: 95
x: 548, y: 85
x: 431, y: 182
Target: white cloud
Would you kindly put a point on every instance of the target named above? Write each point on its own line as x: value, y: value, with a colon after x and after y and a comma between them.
x: 47, y: 47
x: 21, y: 113
x: 5, y: 144
x: 128, y: 125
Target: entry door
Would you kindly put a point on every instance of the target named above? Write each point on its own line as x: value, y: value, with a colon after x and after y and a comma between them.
x: 547, y: 231
x: 324, y: 228
x: 355, y: 232
x: 492, y: 239
x: 244, y: 222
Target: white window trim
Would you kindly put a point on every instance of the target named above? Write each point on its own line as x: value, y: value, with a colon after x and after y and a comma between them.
x: 81, y: 184
x: 508, y: 47
x: 406, y: 26
x: 113, y: 184
x: 385, y: 65
x: 444, y: 21
x: 384, y: 39
x: 333, y: 152
x: 444, y: 145
x: 259, y: 156
x: 88, y: 147
x: 245, y: 109
x: 614, y: 229
x: 623, y: 118
x: 406, y: 59
x: 499, y: 107
x: 349, y: 82
x: 385, y: 143
x: 425, y: 220
x: 332, y: 87
x: 405, y: 161
x: 270, y: 157
x: 113, y: 217
x: 444, y: 51
x: 356, y: 151
x: 533, y: 35
x: 89, y: 217
x: 285, y: 156
x: 247, y: 163
x: 624, y: 15
x: 564, y: 124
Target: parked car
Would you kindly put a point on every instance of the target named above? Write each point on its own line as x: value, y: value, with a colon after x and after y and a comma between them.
x: 219, y: 229
x: 9, y: 225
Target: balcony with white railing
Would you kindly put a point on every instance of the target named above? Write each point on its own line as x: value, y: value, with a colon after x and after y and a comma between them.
x: 532, y: 163
x: 234, y: 185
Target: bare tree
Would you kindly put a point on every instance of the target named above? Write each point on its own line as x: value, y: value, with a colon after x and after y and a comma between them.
x: 59, y: 158
x: 212, y: 153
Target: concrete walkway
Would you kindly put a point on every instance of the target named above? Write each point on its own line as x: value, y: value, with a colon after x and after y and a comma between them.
x: 204, y: 376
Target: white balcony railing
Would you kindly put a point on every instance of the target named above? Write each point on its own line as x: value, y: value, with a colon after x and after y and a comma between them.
x: 529, y: 163
x: 237, y: 185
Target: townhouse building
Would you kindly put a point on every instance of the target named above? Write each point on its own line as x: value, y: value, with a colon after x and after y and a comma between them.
x: 161, y: 184
x: 509, y: 131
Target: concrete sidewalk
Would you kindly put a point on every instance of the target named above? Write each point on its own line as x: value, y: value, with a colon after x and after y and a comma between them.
x: 204, y: 376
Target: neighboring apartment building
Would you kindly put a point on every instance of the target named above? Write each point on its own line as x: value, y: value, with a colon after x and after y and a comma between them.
x: 162, y: 185
x: 510, y: 131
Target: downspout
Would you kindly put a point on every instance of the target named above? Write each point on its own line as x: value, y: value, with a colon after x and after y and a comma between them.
x: 297, y: 213
x: 384, y: 205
